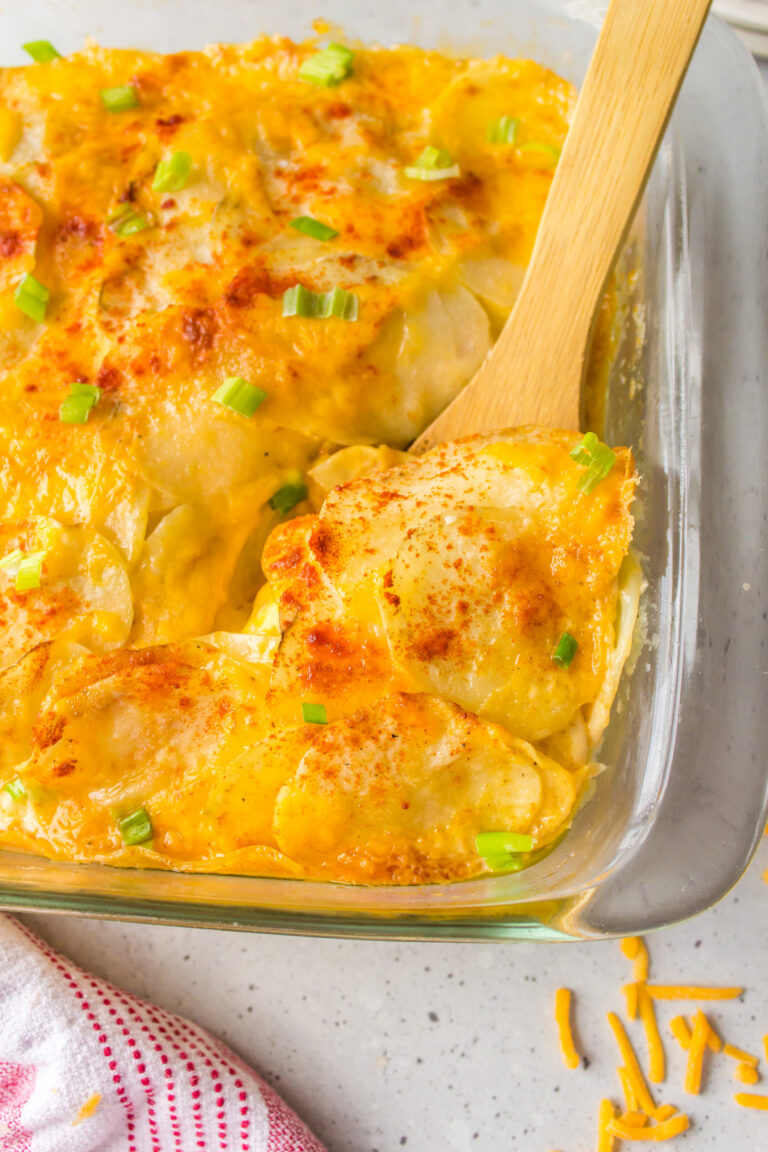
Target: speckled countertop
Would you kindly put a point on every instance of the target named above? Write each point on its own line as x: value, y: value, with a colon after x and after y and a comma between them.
x: 447, y: 1047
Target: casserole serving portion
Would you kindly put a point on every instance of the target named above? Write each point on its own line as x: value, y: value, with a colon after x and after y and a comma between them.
x: 219, y: 268
x: 632, y: 851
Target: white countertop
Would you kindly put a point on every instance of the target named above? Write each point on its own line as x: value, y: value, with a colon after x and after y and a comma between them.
x: 446, y: 1046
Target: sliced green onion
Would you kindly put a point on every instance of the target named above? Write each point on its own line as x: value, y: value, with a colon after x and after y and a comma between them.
x: 75, y: 410
x: 314, y: 228
x: 328, y: 67
x: 28, y: 574
x: 136, y: 827
x: 128, y: 223
x: 582, y: 453
x: 597, y: 458
x: 16, y: 789
x: 565, y: 650
x: 314, y: 713
x: 301, y: 301
x: 500, y: 850
x: 77, y: 407
x: 433, y: 157
x: 502, y: 131
x: 237, y: 394
x: 41, y: 51
x: 171, y: 175
x: 91, y: 390
x: 546, y: 151
x: 433, y: 164
x: 24, y: 567
x: 10, y: 563
x: 119, y: 99
x: 31, y: 297
x: 287, y: 497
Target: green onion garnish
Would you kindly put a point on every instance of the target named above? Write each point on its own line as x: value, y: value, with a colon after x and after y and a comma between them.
x: 301, y: 301
x: 127, y: 223
x: 28, y: 574
x: 41, y: 51
x: 119, y: 99
x: 25, y: 567
x: 16, y: 789
x: 237, y: 394
x: 328, y: 67
x: 314, y: 713
x: 171, y: 175
x: 287, y: 497
x: 433, y: 164
x: 500, y: 850
x: 31, y: 297
x: 77, y: 407
x: 314, y: 228
x: 502, y: 131
x: 136, y: 827
x: 547, y: 151
x: 598, y: 459
x: 10, y: 562
x: 565, y: 650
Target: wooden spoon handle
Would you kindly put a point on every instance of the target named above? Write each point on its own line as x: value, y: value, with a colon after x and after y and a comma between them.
x: 533, y: 374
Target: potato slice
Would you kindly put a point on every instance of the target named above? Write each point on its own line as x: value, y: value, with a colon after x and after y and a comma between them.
x: 473, y: 612
x: 432, y: 350
x: 183, y: 577
x: 486, y: 91
x: 23, y: 688
x: 73, y: 472
x: 84, y: 595
x: 363, y: 523
x: 325, y: 655
x: 151, y: 728
x: 349, y: 464
x: 398, y: 792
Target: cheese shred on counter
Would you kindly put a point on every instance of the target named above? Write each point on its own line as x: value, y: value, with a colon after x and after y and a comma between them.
x: 642, y: 1120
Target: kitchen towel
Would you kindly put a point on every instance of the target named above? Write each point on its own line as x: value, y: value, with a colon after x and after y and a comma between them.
x: 85, y: 1067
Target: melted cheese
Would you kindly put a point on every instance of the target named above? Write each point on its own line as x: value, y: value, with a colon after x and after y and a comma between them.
x: 418, y: 602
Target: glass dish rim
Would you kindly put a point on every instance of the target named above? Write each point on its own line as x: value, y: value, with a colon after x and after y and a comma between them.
x: 554, y: 919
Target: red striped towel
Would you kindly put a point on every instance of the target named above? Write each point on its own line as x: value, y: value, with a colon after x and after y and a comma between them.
x: 85, y: 1067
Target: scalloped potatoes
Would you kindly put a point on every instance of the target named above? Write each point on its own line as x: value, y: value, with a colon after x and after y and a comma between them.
x: 293, y: 649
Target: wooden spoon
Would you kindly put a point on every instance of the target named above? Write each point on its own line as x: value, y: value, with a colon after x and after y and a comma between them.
x: 533, y: 374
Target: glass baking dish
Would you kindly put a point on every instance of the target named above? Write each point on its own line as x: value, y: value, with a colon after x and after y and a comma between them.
x: 676, y: 817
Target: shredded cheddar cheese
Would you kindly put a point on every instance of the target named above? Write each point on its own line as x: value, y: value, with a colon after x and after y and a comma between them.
x: 679, y: 1028
x: 605, y: 1118
x: 691, y: 992
x: 641, y: 1120
x: 752, y: 1100
x: 696, y: 1050
x: 634, y: 948
x: 633, y: 1119
x: 87, y: 1109
x: 639, y: 1086
x: 630, y: 994
x: 666, y: 1130
x: 746, y: 1073
x: 656, y: 1062
x: 628, y: 1088
x: 563, y: 1020
x: 713, y: 1040
x: 740, y: 1055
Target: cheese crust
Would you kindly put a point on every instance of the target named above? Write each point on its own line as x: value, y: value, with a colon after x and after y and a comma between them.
x: 182, y: 618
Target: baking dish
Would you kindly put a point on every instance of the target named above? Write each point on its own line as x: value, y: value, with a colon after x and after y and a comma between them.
x: 677, y: 815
